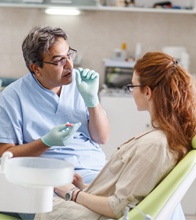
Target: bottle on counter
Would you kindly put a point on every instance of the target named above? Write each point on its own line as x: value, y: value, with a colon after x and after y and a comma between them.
x: 121, y: 53
x: 138, y: 50
x: 124, y: 51
x: 129, y: 3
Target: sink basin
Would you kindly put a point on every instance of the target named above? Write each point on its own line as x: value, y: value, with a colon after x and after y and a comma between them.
x: 38, y: 171
x: 27, y: 183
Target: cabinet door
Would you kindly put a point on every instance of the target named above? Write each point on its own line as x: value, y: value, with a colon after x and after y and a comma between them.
x: 125, y: 120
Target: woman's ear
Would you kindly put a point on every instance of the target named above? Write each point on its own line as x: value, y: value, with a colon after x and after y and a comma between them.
x: 148, y: 92
x: 35, y: 69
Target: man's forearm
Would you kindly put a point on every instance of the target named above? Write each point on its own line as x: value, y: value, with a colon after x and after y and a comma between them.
x: 98, y: 125
x: 35, y: 148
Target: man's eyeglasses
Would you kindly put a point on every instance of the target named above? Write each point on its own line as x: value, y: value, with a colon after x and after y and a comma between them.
x: 63, y: 60
x: 130, y: 87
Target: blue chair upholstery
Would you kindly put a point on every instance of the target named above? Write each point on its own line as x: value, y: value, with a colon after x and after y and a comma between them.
x: 7, y: 80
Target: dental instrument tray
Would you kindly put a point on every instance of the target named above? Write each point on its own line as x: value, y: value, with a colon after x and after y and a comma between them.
x: 38, y: 171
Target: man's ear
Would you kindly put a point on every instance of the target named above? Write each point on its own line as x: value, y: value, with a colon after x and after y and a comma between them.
x: 148, y: 92
x: 35, y: 69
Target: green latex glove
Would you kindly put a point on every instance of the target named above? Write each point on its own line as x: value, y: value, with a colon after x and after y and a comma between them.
x: 60, y: 135
x: 87, y: 82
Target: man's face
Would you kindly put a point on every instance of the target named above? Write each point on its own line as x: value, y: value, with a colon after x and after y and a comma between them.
x: 52, y: 76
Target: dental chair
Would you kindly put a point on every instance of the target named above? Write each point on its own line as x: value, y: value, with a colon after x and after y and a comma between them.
x: 7, y: 80
x: 163, y: 200
x: 7, y: 217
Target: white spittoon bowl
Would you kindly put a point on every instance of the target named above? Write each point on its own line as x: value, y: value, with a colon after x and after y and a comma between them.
x: 38, y: 171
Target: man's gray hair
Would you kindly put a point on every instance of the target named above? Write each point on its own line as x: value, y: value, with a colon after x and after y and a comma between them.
x: 39, y: 41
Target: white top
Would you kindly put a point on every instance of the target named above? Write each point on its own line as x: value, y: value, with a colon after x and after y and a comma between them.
x: 130, y: 175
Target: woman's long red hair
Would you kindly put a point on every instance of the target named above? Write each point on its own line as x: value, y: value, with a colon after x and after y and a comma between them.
x: 174, y: 98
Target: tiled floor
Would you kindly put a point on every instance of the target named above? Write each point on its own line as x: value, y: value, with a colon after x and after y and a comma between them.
x: 191, y: 217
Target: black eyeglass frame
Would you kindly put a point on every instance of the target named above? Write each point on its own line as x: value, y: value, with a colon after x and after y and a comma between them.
x: 130, y: 87
x: 67, y: 57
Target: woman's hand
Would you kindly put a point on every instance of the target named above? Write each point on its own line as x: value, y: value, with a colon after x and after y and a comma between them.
x: 95, y: 203
x: 62, y: 190
x: 78, y: 181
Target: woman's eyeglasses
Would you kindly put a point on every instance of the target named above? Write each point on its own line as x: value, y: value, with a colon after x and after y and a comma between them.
x: 63, y: 60
x: 130, y: 87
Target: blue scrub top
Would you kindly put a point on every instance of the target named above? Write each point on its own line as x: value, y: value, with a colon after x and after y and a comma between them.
x: 28, y: 111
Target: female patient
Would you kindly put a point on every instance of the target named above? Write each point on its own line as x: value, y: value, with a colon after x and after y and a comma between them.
x: 164, y: 89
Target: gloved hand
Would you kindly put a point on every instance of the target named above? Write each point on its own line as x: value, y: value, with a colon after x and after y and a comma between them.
x: 87, y: 82
x: 60, y: 135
